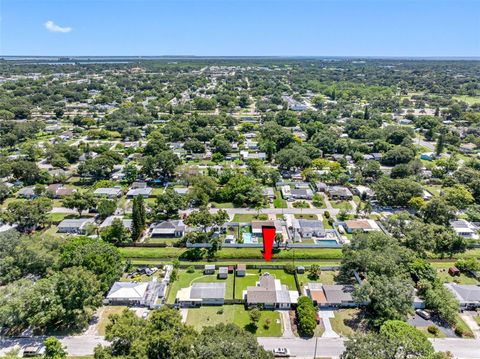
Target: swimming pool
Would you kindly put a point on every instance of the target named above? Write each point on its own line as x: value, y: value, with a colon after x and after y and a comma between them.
x: 247, y: 238
x: 327, y: 242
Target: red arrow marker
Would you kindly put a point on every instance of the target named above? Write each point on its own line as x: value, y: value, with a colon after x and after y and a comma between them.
x: 268, y: 237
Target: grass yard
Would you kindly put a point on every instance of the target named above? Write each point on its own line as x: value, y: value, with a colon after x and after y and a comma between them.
x: 168, y: 241
x: 300, y: 204
x: 249, y: 217
x: 237, y: 314
x: 461, y: 279
x: 156, y: 192
x: 468, y: 99
x: 464, y: 328
x: 223, y: 205
x: 326, y: 277
x: 425, y: 331
x: 345, y: 205
x: 306, y: 216
x: 104, y: 313
x: 170, y: 253
x: 279, y: 202
x: 253, y: 275
x: 185, y: 279
x: 346, y: 321
x: 318, y: 201
x: 326, y: 225
x: 477, y: 319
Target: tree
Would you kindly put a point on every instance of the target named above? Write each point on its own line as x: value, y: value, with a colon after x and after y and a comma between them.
x: 437, y: 211
x: 439, y: 299
x: 131, y: 173
x: 204, y: 219
x: 314, y: 272
x: 95, y: 255
x: 26, y: 171
x: 388, y: 297
x: 306, y: 316
x: 106, y: 208
x: 54, y: 349
x: 458, y: 196
x: 81, y: 201
x: 396, y: 340
x: 161, y: 165
x: 138, y: 217
x: 28, y: 215
x: 396, y: 192
x: 116, y: 233
x: 168, y: 204
x: 255, y: 314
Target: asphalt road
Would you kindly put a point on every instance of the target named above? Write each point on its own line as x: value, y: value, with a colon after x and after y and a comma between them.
x: 83, y: 345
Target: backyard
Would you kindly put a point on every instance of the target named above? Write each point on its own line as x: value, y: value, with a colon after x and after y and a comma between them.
x: 241, y: 283
x: 237, y: 314
x: 186, y: 279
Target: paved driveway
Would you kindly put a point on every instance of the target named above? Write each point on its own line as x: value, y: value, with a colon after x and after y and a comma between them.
x: 325, y: 315
x: 418, y: 321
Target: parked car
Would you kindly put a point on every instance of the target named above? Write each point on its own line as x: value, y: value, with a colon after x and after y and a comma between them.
x: 281, y: 352
x: 33, y: 351
x: 425, y: 315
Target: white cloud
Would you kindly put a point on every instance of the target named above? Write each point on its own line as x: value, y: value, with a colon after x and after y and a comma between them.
x: 52, y: 27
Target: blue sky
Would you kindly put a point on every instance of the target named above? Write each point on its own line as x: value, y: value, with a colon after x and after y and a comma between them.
x: 240, y: 27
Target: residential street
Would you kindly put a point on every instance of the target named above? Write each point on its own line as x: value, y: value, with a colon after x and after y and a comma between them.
x: 300, y: 348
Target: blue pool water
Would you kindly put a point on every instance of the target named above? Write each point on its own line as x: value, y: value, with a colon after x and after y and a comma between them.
x: 328, y: 242
x: 247, y: 238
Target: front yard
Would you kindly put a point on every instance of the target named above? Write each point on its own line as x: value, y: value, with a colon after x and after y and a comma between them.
x: 268, y: 326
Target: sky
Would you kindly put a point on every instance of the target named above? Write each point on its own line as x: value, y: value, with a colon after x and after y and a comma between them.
x: 422, y: 28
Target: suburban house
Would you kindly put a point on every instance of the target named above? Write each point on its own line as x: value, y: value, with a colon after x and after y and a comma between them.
x: 333, y: 295
x: 27, y: 192
x: 57, y: 190
x: 134, y: 192
x: 270, y: 293
x: 467, y: 294
x: 269, y: 193
x: 339, y: 193
x: 111, y: 192
x: 127, y: 223
x: 74, y: 226
x: 302, y: 193
x: 465, y: 229
x: 134, y: 293
x: 168, y: 229
x: 308, y: 228
x: 364, y: 192
x: 257, y: 227
x: 202, y: 294
x: 361, y: 225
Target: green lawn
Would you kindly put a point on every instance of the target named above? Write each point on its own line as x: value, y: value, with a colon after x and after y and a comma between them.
x: 185, y: 279
x: 430, y: 335
x: 318, y: 201
x: 461, y: 279
x: 249, y: 217
x: 306, y: 216
x: 345, y: 205
x: 237, y: 314
x: 326, y: 277
x: 468, y: 99
x: 105, y: 312
x: 345, y: 321
x: 253, y: 275
x: 300, y: 204
x: 223, y: 205
x: 477, y: 319
x: 279, y: 202
x: 465, y: 329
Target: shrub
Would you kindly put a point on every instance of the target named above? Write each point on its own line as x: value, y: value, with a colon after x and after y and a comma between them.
x: 289, y: 268
x: 306, y: 316
x: 326, y: 214
x: 191, y: 269
x: 432, y: 329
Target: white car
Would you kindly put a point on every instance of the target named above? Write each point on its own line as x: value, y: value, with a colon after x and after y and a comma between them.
x: 281, y: 352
